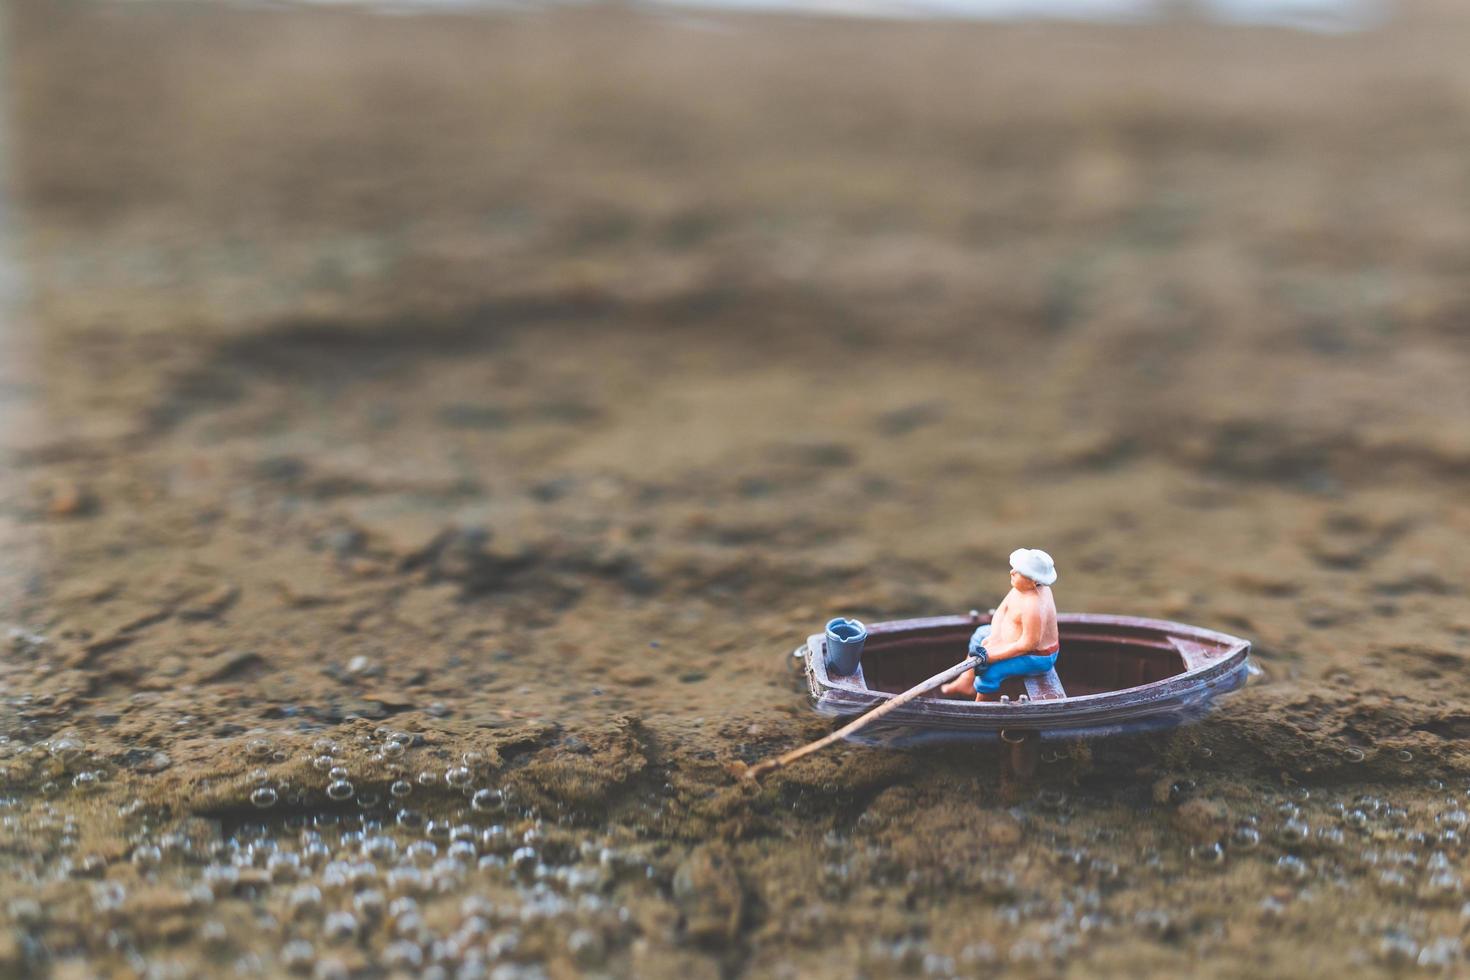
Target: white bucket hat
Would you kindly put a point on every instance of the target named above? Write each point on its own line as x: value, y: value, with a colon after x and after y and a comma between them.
x: 1035, y: 564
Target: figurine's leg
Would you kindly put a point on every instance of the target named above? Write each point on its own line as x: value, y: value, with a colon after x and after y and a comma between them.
x: 987, y: 687
x: 963, y: 684
x: 991, y: 678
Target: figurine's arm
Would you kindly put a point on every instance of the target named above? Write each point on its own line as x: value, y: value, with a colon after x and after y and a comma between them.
x: 1030, y: 617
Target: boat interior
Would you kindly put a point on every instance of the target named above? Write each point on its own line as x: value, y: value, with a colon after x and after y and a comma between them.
x: 1090, y: 663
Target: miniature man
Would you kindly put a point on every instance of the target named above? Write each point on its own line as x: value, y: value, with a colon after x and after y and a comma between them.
x: 1021, y: 638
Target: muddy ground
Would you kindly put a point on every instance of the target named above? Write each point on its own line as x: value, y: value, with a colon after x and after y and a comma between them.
x: 485, y: 406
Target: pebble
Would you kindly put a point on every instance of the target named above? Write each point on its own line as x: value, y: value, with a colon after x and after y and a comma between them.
x: 68, y: 499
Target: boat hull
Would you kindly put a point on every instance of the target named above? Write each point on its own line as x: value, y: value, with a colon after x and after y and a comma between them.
x: 1213, y: 664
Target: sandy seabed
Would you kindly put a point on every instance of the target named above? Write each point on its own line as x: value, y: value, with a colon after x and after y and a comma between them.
x: 485, y: 406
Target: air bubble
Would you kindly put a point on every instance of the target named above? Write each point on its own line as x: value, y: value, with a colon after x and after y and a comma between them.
x: 524, y: 859
x: 488, y: 801
x: 587, y: 947
x: 370, y: 904
x: 380, y: 848
x: 297, y: 955
x: 1294, y: 832
x: 66, y: 748
x: 403, y: 954
x: 422, y: 852
x: 1441, y: 954
x: 339, y: 926
x: 1291, y: 866
x: 458, y: 776
x: 306, y: 900
x: 1395, y: 947
x: 1445, y: 884
x: 264, y: 797
x: 1051, y: 798
x: 340, y: 789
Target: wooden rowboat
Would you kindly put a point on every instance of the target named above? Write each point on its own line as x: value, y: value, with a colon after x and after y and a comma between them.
x: 1115, y: 674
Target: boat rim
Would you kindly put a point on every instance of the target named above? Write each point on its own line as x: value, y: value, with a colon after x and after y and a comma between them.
x: 1236, y: 649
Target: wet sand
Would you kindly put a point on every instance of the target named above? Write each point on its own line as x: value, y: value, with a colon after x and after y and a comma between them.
x: 490, y: 404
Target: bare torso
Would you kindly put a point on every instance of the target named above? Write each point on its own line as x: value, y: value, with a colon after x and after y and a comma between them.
x: 1008, y: 624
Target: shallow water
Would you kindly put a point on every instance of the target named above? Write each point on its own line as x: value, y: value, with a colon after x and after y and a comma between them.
x: 430, y: 437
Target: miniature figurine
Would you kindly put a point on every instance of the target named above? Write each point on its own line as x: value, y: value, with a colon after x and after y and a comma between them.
x: 1021, y: 639
x: 1124, y: 672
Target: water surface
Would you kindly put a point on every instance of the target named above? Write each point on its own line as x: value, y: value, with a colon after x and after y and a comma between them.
x: 486, y: 406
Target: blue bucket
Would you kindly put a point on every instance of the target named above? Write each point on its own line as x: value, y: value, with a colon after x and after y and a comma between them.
x: 845, y: 639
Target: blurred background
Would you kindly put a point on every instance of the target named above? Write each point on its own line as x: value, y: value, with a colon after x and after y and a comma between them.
x: 498, y: 370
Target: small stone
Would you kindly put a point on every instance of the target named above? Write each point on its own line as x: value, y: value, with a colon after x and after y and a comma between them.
x: 409, y: 536
x: 155, y: 762
x: 226, y: 665
x: 211, y: 604
x: 69, y: 499
x: 300, y: 585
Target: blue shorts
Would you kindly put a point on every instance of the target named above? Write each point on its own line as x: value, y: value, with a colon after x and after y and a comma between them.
x: 988, y: 681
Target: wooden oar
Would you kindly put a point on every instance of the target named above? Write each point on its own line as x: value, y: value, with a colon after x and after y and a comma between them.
x: 761, y: 768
